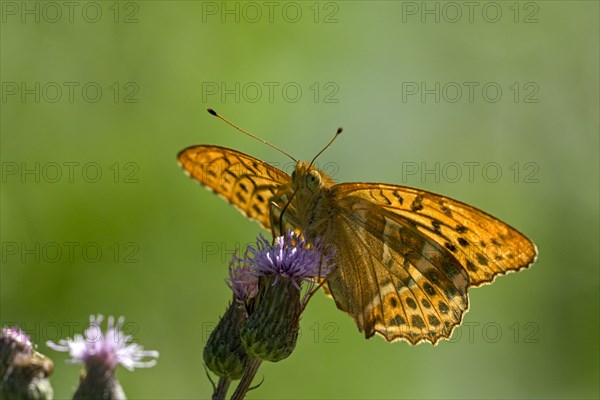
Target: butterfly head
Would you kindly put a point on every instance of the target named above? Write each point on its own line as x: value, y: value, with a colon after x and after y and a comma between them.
x: 306, y: 177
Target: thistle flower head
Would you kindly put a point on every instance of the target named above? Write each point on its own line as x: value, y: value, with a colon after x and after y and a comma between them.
x: 15, y: 333
x: 292, y: 257
x: 224, y: 353
x: 272, y: 328
x: 24, y: 372
x: 109, y: 349
x: 242, y: 281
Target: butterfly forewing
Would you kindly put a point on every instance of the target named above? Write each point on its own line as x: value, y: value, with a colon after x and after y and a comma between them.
x: 246, y: 182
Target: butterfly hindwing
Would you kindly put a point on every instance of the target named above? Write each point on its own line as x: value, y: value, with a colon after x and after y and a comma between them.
x: 485, y: 246
x: 394, y: 281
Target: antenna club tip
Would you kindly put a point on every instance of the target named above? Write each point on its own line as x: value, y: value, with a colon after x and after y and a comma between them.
x: 211, y: 111
x: 340, y: 130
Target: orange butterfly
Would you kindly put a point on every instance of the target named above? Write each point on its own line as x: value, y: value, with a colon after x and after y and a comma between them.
x: 405, y: 257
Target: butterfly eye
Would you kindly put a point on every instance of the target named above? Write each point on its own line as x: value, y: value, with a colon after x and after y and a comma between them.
x: 293, y: 175
x: 313, y: 179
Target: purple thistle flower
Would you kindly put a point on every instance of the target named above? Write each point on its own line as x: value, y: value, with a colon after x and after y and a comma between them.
x: 17, y: 334
x: 109, y: 349
x: 242, y: 280
x: 24, y: 372
x: 292, y: 257
x: 271, y: 330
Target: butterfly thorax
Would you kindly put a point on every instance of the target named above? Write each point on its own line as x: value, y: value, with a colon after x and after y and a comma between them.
x: 311, y: 201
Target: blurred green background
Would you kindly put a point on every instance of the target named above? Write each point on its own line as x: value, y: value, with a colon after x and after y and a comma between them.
x: 98, y: 99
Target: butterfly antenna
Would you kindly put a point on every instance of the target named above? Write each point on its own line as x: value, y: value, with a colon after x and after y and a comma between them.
x: 337, y: 133
x: 213, y: 112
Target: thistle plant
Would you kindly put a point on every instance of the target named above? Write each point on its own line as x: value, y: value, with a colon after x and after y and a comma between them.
x: 271, y: 331
x: 101, y: 353
x: 224, y: 353
x: 271, y: 287
x: 24, y: 372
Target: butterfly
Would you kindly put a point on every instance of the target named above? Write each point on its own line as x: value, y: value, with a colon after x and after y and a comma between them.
x: 405, y: 257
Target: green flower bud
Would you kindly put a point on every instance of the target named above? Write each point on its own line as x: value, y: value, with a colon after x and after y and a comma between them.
x: 224, y: 354
x: 271, y: 331
x: 98, y: 383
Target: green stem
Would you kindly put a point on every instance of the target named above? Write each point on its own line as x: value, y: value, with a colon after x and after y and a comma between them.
x: 221, y: 389
x: 249, y: 373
